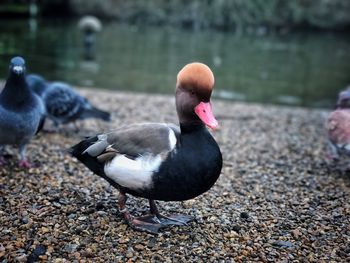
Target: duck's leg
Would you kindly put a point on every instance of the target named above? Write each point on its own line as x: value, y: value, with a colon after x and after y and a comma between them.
x: 137, y: 223
x: 23, y: 162
x: 179, y: 220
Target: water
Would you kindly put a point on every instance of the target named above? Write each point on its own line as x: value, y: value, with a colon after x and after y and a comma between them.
x: 299, y: 69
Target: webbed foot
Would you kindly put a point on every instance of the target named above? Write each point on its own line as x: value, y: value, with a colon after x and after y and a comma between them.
x: 145, y: 224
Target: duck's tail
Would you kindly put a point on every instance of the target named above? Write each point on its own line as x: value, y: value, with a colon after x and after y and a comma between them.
x: 91, y: 162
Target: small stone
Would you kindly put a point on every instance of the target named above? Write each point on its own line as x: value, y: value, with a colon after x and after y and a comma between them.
x: 236, y: 228
x: 43, y: 257
x: 88, y: 253
x: 139, y: 247
x: 244, y: 215
x: 77, y: 255
x: 102, y: 213
x: 296, y: 233
x: 152, y: 242
x: 70, y: 248
x: 72, y: 216
x: 45, y: 230
x: 123, y: 240
x: 25, y: 220
x: 99, y: 206
x: 22, y: 258
x: 38, y: 251
x: 282, y: 243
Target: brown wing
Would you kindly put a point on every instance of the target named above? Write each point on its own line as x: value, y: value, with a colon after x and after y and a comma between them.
x: 135, y: 140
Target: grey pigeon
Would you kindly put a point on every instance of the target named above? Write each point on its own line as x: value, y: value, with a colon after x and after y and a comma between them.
x: 21, y: 111
x: 343, y: 101
x: 63, y: 104
x: 338, y: 127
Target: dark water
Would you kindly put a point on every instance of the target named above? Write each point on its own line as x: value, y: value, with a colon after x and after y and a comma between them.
x: 300, y: 69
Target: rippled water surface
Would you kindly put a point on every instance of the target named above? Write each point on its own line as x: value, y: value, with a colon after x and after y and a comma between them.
x: 305, y: 69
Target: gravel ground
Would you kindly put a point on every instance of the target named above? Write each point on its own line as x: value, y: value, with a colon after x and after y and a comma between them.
x: 277, y: 198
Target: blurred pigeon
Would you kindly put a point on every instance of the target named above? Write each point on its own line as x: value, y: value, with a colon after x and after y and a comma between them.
x: 89, y: 25
x: 343, y: 101
x: 21, y: 110
x: 338, y: 126
x: 63, y: 104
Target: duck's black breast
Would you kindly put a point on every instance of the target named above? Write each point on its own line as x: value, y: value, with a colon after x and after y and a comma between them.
x: 190, y: 169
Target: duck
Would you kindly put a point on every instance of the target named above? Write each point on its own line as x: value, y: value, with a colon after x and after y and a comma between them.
x: 22, y: 113
x: 338, y: 127
x: 161, y: 161
x: 63, y: 104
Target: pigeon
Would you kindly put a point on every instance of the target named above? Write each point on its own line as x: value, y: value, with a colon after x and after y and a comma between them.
x: 338, y: 127
x: 161, y: 161
x: 89, y: 25
x: 63, y: 104
x: 343, y: 101
x: 21, y: 111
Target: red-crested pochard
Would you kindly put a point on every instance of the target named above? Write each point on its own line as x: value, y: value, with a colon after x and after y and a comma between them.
x: 160, y: 161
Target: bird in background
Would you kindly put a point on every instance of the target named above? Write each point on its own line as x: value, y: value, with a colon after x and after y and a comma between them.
x: 63, y: 104
x: 21, y: 111
x: 160, y: 161
x: 338, y: 127
x: 89, y: 25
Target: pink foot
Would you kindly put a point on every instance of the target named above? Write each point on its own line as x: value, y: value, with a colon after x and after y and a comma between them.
x: 25, y: 164
x: 331, y: 157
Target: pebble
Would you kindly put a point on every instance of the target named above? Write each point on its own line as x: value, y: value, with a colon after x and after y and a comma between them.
x: 283, y: 244
x: 70, y: 248
x: 244, y: 215
x: 236, y: 228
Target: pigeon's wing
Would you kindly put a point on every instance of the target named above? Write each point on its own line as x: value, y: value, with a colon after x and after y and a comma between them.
x: 63, y: 103
x: 36, y: 83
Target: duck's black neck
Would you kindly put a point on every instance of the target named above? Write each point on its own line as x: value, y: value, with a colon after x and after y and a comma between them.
x: 16, y: 91
x: 191, y: 127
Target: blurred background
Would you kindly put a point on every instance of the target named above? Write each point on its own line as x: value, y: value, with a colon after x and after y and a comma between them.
x: 267, y: 51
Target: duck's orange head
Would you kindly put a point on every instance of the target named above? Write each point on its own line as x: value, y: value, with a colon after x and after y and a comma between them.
x: 195, y: 83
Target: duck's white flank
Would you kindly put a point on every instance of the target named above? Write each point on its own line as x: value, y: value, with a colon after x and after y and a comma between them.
x: 172, y: 139
x: 133, y: 174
